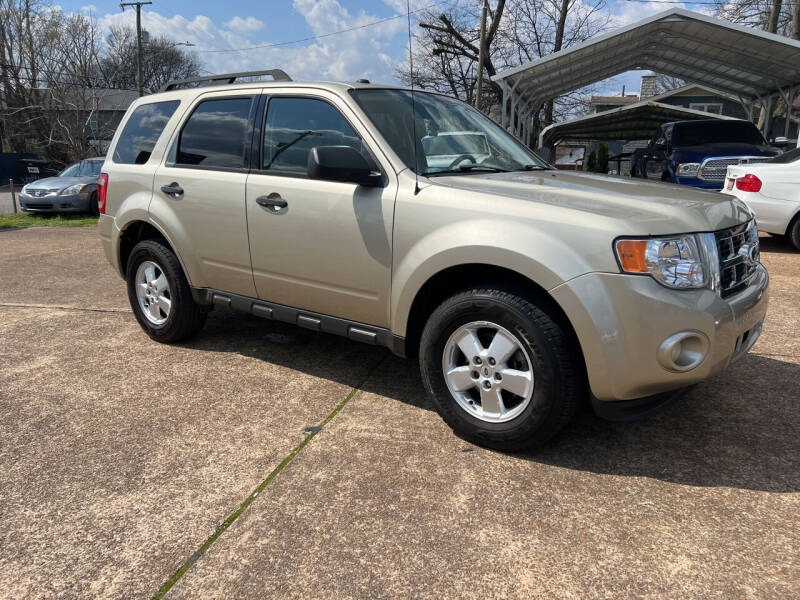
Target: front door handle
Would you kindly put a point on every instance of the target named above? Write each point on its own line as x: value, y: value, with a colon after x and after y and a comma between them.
x: 273, y: 202
x: 173, y: 189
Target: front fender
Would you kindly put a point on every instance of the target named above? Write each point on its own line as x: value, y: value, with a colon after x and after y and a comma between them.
x: 538, y: 256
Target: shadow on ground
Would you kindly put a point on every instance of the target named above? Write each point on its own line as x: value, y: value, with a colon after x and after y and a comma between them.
x: 740, y: 429
x: 776, y: 245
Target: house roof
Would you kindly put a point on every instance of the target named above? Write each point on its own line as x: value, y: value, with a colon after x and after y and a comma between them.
x: 635, y: 121
x: 81, y: 98
x: 741, y: 61
x: 630, y: 99
x: 685, y: 90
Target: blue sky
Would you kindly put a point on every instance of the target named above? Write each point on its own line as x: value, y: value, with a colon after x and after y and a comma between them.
x: 373, y: 52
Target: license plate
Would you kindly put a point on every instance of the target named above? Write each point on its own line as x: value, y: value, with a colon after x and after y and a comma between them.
x: 33, y: 170
x: 730, y: 183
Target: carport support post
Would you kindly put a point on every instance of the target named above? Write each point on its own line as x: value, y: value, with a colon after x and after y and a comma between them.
x: 13, y: 195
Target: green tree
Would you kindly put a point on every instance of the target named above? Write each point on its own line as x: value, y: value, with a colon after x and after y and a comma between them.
x: 591, y: 162
x: 602, y: 158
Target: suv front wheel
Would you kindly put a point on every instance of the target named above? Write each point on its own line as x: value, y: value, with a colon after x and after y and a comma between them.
x: 160, y: 295
x: 499, y: 369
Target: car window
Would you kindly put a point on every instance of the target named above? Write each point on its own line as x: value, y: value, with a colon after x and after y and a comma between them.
x: 90, y: 168
x: 295, y: 125
x: 717, y: 132
x: 141, y: 132
x: 411, y: 125
x: 70, y: 171
x: 214, y: 136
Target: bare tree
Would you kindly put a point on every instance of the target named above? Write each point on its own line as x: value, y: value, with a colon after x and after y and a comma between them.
x: 163, y: 60
x: 56, y: 71
x: 518, y: 31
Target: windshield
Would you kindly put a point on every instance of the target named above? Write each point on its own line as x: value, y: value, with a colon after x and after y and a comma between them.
x: 787, y: 157
x: 451, y: 136
x: 70, y: 171
x: 91, y: 168
x: 717, y: 132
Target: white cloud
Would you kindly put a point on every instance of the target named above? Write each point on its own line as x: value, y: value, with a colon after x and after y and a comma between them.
x: 365, y: 52
x: 246, y: 25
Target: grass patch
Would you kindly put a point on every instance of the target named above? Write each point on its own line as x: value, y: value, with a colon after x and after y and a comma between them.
x: 27, y: 219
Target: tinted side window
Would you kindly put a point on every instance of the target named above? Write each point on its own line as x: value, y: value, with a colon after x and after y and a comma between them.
x: 295, y: 125
x: 142, y: 132
x: 214, y: 136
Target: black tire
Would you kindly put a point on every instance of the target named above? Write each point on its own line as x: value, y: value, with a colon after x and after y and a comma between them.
x: 186, y: 317
x: 94, y: 210
x: 793, y: 233
x: 557, y: 374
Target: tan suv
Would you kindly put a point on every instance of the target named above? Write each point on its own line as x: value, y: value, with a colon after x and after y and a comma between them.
x: 522, y: 289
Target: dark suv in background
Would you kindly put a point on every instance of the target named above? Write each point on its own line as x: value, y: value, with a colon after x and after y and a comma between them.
x: 698, y: 153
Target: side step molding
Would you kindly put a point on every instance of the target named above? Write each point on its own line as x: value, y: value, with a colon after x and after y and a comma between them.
x: 359, y: 332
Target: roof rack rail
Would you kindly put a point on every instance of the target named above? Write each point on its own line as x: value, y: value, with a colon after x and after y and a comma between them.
x: 226, y: 78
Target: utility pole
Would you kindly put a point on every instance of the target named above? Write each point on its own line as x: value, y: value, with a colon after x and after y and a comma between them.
x: 139, y: 77
x: 481, y: 53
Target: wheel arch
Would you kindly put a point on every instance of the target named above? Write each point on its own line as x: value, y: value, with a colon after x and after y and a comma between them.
x: 136, y: 231
x: 456, y: 278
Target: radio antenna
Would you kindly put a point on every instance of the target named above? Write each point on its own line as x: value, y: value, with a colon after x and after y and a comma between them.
x: 413, y: 104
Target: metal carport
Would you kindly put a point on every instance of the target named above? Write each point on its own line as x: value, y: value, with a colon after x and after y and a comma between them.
x: 749, y: 64
x: 633, y: 122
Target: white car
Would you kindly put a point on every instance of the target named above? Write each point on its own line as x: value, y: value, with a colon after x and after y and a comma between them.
x: 772, y: 190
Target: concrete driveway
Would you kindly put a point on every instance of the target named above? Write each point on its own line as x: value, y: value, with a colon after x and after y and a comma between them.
x: 130, y: 469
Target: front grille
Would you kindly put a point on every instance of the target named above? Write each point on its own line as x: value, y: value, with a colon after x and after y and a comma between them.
x: 714, y: 169
x: 738, y: 256
x: 41, y: 193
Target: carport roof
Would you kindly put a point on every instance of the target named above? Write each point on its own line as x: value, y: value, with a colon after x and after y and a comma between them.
x: 741, y: 61
x: 634, y: 122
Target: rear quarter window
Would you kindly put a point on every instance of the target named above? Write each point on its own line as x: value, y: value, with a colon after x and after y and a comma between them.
x: 141, y: 132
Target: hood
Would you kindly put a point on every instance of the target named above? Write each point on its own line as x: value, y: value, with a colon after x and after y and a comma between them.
x: 58, y: 183
x: 698, y: 153
x: 637, y: 207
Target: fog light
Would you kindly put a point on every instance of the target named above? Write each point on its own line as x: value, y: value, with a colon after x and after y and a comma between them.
x: 683, y: 351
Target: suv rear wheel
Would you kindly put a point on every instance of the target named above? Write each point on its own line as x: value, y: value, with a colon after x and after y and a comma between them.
x: 499, y: 369
x: 159, y: 294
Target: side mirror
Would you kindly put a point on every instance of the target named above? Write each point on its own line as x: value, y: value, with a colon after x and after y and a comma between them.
x: 341, y: 163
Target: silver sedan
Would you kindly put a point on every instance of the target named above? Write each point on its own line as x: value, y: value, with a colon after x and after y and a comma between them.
x: 72, y: 190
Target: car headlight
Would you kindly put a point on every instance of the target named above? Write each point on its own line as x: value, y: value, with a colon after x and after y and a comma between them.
x: 677, y: 262
x: 73, y: 189
x: 688, y: 169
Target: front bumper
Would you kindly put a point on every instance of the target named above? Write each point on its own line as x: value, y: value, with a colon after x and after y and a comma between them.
x: 622, y: 320
x: 57, y: 203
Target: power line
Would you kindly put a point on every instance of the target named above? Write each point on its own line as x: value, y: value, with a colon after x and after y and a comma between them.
x: 325, y: 35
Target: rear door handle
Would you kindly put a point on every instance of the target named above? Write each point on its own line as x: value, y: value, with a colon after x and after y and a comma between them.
x: 173, y: 189
x: 273, y: 202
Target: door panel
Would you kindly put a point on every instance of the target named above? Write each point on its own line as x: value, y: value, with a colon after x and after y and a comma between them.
x: 318, y: 245
x: 207, y: 167
x: 211, y: 219
x: 329, y: 250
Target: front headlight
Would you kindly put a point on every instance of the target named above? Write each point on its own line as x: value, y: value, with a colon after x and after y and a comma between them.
x: 675, y: 262
x: 73, y: 189
x: 688, y: 169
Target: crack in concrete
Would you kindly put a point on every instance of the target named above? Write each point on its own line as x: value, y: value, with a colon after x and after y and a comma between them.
x: 314, y: 431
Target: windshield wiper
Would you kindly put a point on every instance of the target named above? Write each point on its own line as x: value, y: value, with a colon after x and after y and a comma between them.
x: 531, y: 168
x: 466, y: 169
